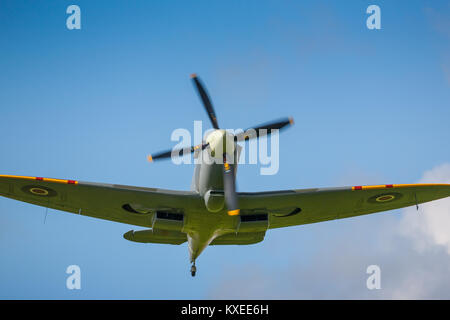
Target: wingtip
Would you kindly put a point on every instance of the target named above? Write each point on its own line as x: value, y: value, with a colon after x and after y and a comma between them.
x: 149, y: 158
x: 193, y: 75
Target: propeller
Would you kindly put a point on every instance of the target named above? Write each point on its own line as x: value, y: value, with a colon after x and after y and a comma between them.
x: 177, y: 152
x: 264, y: 129
x: 229, y: 181
x: 229, y: 188
x: 206, y: 100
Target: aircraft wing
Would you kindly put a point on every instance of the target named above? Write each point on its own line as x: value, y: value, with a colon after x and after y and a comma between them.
x: 104, y: 201
x: 296, y: 207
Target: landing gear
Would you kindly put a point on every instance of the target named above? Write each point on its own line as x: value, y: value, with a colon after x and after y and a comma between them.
x: 193, y: 270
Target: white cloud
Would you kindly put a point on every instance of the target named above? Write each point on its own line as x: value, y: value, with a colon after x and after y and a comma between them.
x: 431, y: 226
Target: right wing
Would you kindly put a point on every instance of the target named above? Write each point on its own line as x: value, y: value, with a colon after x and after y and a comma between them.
x: 296, y: 207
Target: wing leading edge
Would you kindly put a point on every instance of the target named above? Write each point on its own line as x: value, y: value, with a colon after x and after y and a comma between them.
x: 296, y: 207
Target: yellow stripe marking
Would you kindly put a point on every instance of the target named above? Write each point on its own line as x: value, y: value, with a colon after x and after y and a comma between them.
x: 17, y: 177
x: 40, y: 179
x: 383, y: 186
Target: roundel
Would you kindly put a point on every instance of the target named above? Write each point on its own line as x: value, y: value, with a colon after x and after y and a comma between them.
x: 40, y: 191
x: 385, y: 197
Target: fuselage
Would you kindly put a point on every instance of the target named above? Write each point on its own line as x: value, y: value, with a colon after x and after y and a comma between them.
x: 208, y: 182
x: 208, y: 172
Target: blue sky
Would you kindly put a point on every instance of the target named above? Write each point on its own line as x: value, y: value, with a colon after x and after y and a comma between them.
x: 370, y: 106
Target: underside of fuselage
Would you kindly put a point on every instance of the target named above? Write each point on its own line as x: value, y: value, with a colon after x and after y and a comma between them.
x: 208, y: 181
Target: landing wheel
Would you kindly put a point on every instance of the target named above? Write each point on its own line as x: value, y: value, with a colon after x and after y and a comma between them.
x: 193, y: 270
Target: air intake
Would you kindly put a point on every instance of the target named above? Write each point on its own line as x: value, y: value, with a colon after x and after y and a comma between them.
x: 169, y: 215
x: 168, y: 220
x: 254, y: 217
x: 253, y: 222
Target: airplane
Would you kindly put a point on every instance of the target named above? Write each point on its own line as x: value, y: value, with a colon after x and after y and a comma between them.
x: 213, y: 212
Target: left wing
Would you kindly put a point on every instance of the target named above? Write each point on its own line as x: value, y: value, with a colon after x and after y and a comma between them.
x: 296, y: 207
x: 112, y: 202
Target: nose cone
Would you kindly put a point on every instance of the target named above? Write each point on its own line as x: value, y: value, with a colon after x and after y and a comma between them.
x: 220, y: 142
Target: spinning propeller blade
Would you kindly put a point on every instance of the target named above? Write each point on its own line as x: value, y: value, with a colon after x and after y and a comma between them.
x: 177, y: 152
x: 206, y: 100
x: 268, y: 127
x: 229, y: 188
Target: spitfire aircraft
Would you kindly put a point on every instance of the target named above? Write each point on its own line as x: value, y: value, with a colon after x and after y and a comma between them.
x: 213, y: 213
